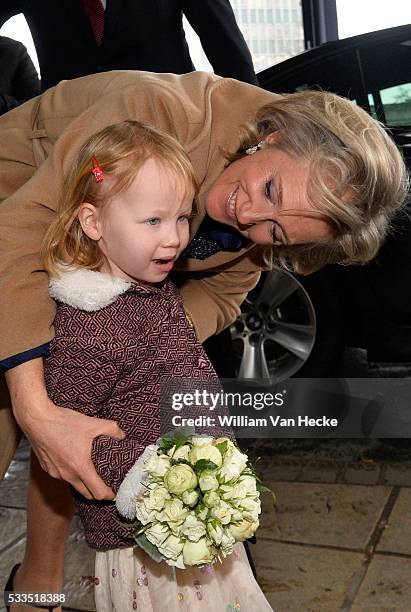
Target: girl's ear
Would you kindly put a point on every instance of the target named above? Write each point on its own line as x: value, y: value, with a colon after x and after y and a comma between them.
x: 89, y: 219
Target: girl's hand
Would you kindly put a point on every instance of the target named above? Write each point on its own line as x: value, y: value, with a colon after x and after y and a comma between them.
x: 61, y: 438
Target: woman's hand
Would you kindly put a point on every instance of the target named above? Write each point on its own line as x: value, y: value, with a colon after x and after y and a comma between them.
x: 61, y: 438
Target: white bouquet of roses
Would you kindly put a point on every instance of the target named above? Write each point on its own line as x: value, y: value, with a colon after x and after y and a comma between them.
x: 194, y: 499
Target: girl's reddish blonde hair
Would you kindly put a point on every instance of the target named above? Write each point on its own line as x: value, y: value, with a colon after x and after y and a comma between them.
x: 121, y: 150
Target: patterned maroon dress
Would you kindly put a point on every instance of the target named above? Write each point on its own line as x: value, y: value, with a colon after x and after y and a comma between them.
x: 114, y: 342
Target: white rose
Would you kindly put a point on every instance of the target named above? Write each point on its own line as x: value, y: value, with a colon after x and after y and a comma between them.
x: 237, y: 515
x: 223, y: 512
x: 157, y: 533
x: 226, y: 492
x: 181, y: 453
x: 251, y: 508
x: 208, y: 481
x: 249, y: 483
x: 180, y: 478
x: 171, y: 548
x: 175, y: 527
x: 245, y: 486
x: 215, y: 531
x: 244, y: 530
x: 211, y: 498
x: 174, y: 510
x: 201, y: 512
x: 157, y: 465
x: 179, y: 562
x: 156, y: 497
x: 190, y: 498
x: 144, y: 514
x: 227, y: 542
x: 233, y: 464
x: 201, y: 440
x: 198, y: 553
x: 193, y: 528
x: 207, y: 452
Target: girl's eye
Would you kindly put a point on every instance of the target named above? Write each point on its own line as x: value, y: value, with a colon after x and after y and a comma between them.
x: 154, y: 221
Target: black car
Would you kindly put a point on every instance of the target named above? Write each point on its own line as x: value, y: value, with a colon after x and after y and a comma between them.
x: 293, y: 324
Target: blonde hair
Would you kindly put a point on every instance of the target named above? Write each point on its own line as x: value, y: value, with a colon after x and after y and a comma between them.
x: 357, y: 177
x: 121, y: 150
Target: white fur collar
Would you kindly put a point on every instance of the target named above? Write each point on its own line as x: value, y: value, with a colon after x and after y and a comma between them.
x: 86, y: 289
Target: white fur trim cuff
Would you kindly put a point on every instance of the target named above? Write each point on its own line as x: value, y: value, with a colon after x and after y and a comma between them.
x: 132, y: 484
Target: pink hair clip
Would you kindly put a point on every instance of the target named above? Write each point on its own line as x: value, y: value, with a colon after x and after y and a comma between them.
x: 96, y: 170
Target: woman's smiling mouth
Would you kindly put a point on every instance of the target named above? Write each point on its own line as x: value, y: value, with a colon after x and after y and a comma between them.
x: 230, y: 206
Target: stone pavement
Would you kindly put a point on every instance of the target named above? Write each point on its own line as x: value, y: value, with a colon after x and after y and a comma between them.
x: 337, y: 539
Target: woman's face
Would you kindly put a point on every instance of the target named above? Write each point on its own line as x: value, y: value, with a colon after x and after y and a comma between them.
x: 264, y: 196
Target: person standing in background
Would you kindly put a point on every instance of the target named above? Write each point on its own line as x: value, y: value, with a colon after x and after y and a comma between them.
x: 75, y: 38
x: 19, y: 80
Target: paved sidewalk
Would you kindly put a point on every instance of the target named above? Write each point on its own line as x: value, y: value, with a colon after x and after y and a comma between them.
x: 337, y: 539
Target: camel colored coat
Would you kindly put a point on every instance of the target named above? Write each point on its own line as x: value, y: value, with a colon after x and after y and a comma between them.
x: 202, y: 111
x: 38, y: 141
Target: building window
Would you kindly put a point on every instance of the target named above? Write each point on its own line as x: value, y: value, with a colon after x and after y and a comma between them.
x: 273, y: 31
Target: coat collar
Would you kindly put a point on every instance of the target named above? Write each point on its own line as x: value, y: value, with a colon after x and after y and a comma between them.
x: 86, y: 289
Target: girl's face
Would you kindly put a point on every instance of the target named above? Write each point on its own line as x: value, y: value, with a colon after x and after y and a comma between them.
x: 142, y: 230
x: 264, y: 196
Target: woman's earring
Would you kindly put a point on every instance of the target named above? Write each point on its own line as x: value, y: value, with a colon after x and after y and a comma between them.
x: 257, y: 147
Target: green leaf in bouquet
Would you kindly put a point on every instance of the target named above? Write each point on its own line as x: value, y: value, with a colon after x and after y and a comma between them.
x: 178, y: 461
x: 250, y: 469
x: 138, y: 528
x: 262, y: 489
x: 179, y: 436
x: 149, y: 548
x: 222, y: 447
x: 204, y: 464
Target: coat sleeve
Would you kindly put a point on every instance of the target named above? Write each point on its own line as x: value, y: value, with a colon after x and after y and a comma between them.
x: 82, y: 374
x: 26, y: 83
x: 24, y: 80
x: 221, y: 293
x: 215, y: 24
x: 114, y: 458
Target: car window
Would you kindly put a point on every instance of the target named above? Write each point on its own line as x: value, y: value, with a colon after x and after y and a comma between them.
x: 396, y: 102
x: 386, y: 69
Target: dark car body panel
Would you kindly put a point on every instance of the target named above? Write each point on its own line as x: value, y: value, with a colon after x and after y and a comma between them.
x: 376, y: 298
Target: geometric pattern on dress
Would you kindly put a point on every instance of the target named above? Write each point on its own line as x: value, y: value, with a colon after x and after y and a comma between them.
x: 109, y: 363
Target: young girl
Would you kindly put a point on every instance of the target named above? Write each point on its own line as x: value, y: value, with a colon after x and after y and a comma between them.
x: 120, y: 327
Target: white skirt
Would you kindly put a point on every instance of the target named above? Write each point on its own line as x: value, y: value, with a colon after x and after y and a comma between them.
x: 127, y: 579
